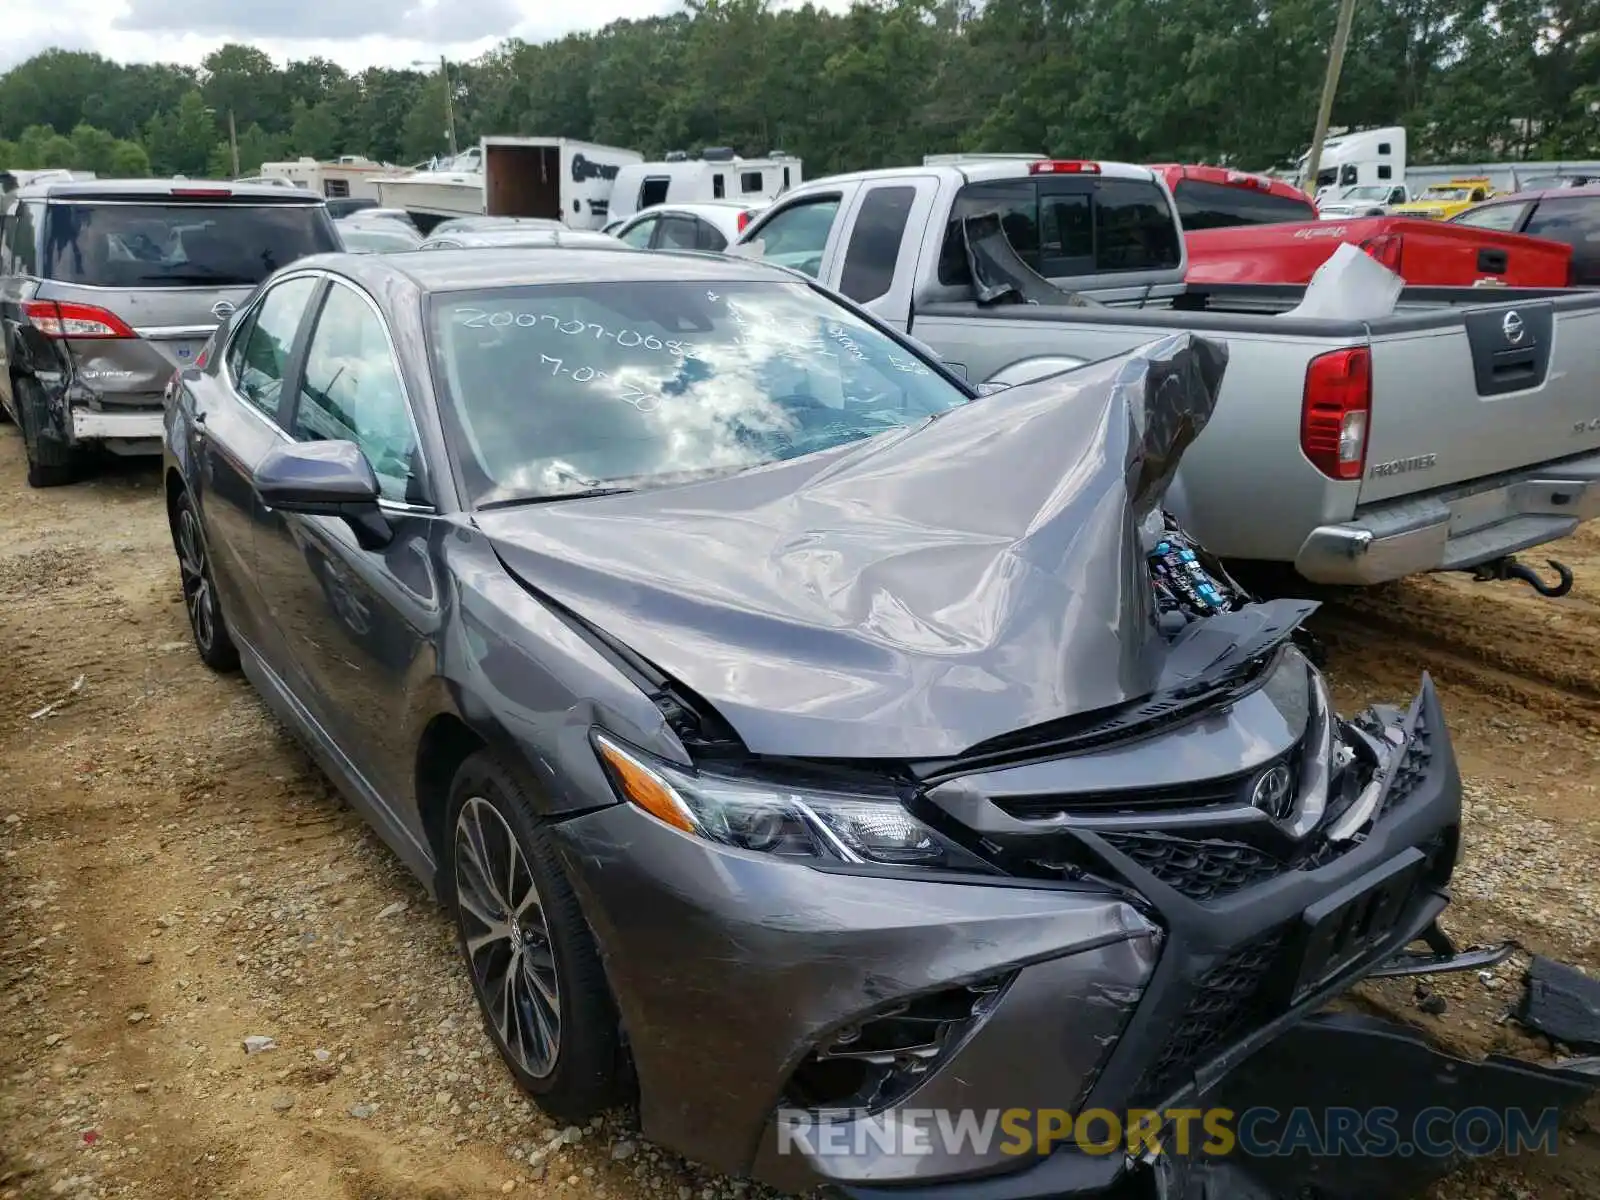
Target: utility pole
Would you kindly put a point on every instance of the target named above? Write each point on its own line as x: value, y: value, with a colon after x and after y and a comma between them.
x: 449, y: 105
x: 233, y: 143
x: 1330, y: 85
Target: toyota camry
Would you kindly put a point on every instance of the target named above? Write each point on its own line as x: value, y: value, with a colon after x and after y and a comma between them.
x: 795, y: 737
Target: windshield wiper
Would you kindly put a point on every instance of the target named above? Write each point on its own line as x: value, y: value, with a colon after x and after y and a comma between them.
x: 552, y: 497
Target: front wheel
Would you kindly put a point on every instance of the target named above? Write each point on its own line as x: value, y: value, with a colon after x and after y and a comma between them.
x: 531, y: 957
x: 200, y: 598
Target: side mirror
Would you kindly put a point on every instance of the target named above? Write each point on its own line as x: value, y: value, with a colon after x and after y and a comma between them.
x: 326, y: 479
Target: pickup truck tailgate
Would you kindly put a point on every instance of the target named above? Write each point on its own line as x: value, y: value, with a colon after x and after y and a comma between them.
x: 1480, y: 391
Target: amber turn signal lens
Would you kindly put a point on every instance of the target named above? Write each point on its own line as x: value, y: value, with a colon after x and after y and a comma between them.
x: 642, y: 788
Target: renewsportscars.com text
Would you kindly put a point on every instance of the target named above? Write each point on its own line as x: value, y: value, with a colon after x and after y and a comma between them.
x: 1261, y: 1132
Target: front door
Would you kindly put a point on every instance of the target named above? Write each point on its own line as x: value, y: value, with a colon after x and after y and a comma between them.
x: 356, y: 621
x: 236, y: 412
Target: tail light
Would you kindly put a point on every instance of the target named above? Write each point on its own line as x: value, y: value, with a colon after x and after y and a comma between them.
x: 1063, y: 167
x: 744, y: 221
x: 62, y: 319
x: 1334, y: 414
x: 1385, y: 248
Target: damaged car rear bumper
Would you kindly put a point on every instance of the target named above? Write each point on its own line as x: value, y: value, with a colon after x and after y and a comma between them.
x: 760, y: 997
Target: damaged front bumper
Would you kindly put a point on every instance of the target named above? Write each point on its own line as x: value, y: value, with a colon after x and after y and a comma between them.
x: 1111, y: 967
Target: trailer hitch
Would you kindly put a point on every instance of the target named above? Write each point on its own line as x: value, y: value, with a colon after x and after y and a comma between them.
x: 1509, y: 568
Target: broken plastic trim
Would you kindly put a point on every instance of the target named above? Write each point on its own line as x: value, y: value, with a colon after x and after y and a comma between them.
x: 1000, y: 273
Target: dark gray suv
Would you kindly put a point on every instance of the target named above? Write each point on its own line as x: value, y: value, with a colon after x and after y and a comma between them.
x: 108, y: 286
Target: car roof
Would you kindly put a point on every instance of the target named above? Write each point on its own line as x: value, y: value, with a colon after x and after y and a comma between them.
x: 535, y: 236
x: 92, y: 189
x: 1564, y: 193
x: 459, y: 270
x: 973, y: 170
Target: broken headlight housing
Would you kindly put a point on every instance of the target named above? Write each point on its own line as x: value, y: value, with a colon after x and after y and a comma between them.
x: 801, y: 822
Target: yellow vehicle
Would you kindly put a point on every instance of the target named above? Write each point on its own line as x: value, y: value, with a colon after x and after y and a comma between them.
x: 1442, y: 201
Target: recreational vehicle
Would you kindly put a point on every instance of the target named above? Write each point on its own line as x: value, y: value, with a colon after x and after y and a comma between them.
x: 718, y: 174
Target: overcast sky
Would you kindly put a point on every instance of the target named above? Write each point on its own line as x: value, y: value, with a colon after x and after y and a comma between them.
x: 353, y: 33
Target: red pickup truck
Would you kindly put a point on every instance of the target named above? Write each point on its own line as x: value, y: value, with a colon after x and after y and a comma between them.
x: 1243, y: 228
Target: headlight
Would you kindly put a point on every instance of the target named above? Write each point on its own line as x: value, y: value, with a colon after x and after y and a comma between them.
x: 802, y: 823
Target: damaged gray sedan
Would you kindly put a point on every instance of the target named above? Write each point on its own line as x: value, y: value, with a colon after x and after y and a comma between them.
x: 795, y: 737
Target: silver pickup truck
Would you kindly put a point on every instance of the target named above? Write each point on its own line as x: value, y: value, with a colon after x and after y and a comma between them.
x: 1448, y: 435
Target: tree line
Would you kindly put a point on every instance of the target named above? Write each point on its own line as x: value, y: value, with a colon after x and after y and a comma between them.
x: 1224, y: 81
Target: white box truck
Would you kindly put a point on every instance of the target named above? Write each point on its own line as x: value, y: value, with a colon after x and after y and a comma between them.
x: 553, y: 177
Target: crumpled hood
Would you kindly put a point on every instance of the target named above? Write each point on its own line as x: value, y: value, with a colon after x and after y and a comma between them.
x: 909, y: 596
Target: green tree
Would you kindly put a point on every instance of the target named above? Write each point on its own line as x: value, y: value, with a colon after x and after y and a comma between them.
x: 92, y: 149
x: 180, y: 142
x: 315, y: 130
x: 129, y: 161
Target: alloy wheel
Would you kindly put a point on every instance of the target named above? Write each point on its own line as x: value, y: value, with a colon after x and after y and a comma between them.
x: 506, y: 937
x: 195, y: 573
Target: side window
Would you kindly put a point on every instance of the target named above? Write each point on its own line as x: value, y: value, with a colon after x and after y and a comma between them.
x: 351, y: 391
x: 19, y: 254
x: 1504, y: 217
x: 709, y: 237
x: 797, y: 235
x: 749, y: 181
x: 875, y: 243
x: 653, y: 190
x: 1347, y: 175
x: 639, y: 235
x: 1575, y: 221
x: 1477, y: 195
x: 1133, y: 227
x: 259, y: 355
x: 1385, y: 171
x: 677, y: 233
x: 719, y: 186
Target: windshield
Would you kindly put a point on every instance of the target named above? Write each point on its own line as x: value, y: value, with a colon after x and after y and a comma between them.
x: 180, y: 245
x: 1448, y: 194
x: 567, y: 388
x: 1364, y: 193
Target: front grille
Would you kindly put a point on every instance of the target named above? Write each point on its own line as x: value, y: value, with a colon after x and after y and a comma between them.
x: 1229, y: 999
x: 1228, y: 791
x: 1201, y: 869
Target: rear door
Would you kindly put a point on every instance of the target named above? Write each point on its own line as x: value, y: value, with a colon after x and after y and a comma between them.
x: 878, y: 269
x: 1467, y: 394
x: 159, y: 272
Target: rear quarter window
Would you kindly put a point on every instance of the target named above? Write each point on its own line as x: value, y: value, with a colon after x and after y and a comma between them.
x: 1217, y: 206
x: 137, y: 245
x: 1106, y: 227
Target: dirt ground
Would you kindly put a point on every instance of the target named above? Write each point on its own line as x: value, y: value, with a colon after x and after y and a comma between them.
x: 176, y: 877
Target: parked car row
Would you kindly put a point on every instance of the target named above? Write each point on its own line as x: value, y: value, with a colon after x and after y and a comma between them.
x: 794, y: 668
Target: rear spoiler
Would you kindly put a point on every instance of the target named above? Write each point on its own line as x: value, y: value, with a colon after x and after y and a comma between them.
x: 999, y: 272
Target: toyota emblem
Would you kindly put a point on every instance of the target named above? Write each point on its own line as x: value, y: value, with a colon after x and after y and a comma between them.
x: 1273, y: 793
x: 223, y: 309
x: 1511, y: 326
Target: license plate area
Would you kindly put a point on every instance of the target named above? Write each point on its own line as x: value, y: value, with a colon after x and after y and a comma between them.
x: 1342, y: 928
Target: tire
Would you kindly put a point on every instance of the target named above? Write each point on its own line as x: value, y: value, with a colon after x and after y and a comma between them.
x: 200, y: 598
x: 51, y: 462
x: 547, y: 951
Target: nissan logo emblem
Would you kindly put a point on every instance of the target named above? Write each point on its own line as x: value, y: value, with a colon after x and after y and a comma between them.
x: 223, y: 309
x: 1273, y: 793
x: 1511, y: 326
